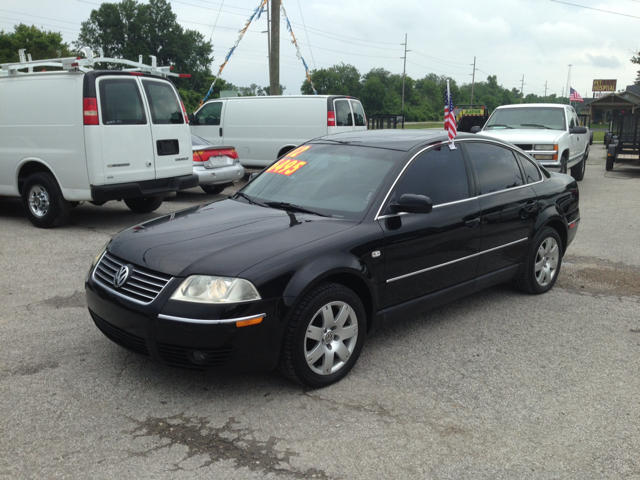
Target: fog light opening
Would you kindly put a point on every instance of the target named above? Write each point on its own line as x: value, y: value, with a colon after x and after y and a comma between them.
x: 196, y: 356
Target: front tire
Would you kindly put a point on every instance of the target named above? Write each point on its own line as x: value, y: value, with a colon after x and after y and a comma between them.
x: 43, y: 202
x: 143, y: 204
x: 577, y: 171
x: 324, y: 337
x: 542, y: 263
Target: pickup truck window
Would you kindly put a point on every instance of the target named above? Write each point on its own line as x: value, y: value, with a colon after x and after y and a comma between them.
x: 527, y: 117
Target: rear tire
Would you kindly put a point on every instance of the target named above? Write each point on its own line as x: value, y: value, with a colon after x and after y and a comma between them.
x: 143, y: 204
x: 43, y: 202
x: 214, y: 189
x: 324, y: 337
x: 542, y: 263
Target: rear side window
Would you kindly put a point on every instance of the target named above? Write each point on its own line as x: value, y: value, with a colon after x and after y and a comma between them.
x: 530, y: 170
x: 496, y: 167
x: 439, y: 174
x: 343, y: 114
x: 121, y: 103
x: 163, y: 103
x: 358, y: 113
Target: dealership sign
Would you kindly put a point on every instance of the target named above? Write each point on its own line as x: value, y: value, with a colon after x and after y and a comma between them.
x: 604, y: 85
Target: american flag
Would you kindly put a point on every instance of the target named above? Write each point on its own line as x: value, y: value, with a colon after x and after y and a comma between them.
x: 449, y: 117
x: 575, y: 96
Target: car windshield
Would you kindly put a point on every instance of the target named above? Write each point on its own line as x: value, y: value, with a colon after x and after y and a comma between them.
x: 332, y: 180
x: 527, y: 117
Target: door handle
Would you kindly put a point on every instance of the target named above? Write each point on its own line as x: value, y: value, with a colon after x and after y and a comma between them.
x: 473, y: 222
x: 220, y: 131
x: 530, y: 206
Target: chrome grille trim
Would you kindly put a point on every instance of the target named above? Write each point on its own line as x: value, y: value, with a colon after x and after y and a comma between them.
x: 143, y: 286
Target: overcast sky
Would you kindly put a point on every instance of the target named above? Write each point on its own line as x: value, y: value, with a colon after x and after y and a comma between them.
x: 509, y: 38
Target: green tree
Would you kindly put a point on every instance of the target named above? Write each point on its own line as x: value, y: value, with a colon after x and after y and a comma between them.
x: 40, y: 44
x: 129, y: 29
x: 636, y: 59
x: 337, y: 80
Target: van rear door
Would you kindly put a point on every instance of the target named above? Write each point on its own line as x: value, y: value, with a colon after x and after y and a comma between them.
x: 348, y: 114
x: 172, y: 154
x: 125, y: 134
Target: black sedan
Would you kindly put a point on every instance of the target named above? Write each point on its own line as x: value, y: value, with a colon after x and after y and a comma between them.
x: 344, y: 234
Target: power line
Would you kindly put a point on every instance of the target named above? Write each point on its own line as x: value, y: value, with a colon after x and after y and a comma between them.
x: 596, y: 9
x: 307, y: 33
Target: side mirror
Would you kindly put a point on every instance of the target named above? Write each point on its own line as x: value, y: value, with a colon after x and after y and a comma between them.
x: 578, y: 130
x: 411, y: 203
x: 475, y: 129
x: 192, y: 119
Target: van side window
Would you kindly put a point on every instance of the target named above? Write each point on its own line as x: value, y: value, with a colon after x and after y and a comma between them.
x: 358, y: 113
x: 439, y: 174
x: 163, y: 103
x: 209, y: 114
x: 121, y: 103
x: 343, y: 114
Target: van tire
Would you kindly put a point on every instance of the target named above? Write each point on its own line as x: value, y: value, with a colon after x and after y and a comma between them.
x: 214, y: 189
x: 43, y: 202
x: 143, y: 204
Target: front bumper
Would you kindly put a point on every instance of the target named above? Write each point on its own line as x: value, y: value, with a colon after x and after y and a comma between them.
x: 190, y: 335
x: 218, y: 176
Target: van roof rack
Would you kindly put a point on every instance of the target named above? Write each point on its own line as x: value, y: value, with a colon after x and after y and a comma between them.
x: 86, y: 64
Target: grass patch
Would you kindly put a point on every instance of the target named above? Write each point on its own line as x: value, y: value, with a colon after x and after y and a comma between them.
x: 598, y: 136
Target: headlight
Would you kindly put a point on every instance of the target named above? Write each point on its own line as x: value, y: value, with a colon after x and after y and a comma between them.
x: 97, y: 257
x: 207, y: 289
x: 545, y: 147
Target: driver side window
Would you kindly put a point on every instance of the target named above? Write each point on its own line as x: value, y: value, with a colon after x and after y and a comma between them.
x: 210, y: 114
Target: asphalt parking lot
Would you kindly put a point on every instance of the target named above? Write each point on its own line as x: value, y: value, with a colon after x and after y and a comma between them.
x: 500, y: 385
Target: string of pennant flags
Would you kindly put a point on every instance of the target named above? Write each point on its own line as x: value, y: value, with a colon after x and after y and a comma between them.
x: 256, y: 16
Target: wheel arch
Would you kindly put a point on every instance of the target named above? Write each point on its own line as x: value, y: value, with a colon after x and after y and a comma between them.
x: 559, y: 226
x: 334, y: 270
x: 28, y: 168
x: 284, y: 150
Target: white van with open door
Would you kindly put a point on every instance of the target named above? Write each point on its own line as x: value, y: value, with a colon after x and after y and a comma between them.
x: 76, y: 135
x: 262, y: 129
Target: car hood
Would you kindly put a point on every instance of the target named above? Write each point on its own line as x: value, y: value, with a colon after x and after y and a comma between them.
x: 525, y: 135
x: 222, y: 238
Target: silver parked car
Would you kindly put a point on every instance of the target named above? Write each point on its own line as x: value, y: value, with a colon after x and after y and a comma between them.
x: 217, y: 166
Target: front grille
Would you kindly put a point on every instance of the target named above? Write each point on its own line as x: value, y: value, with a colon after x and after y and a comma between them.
x: 525, y: 147
x: 124, y: 339
x: 142, y: 286
x: 183, y: 357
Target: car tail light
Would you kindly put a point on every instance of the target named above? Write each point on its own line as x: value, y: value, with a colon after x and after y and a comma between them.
x: 90, y: 111
x: 205, y: 155
x: 331, y: 119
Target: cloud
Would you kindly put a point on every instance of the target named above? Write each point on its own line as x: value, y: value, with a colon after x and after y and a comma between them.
x: 604, y: 61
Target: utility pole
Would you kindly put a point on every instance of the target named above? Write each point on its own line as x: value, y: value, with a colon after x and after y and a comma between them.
x: 274, y: 53
x: 545, y: 91
x: 473, y: 79
x: 269, y: 38
x: 522, y: 90
x: 404, y: 69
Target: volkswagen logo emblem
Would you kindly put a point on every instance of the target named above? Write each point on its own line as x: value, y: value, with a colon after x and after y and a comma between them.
x: 121, y: 276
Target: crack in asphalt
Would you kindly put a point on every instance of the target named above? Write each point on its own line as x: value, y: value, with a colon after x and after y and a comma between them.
x: 229, y: 442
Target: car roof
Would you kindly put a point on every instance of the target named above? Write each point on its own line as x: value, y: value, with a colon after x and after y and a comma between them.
x: 393, y: 139
x: 534, y: 105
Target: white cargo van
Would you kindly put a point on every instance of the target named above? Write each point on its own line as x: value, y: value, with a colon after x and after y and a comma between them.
x: 262, y: 129
x: 82, y: 135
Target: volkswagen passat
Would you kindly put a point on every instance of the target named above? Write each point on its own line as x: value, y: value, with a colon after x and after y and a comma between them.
x: 344, y: 234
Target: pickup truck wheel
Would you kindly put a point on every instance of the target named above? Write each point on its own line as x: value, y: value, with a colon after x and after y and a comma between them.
x: 213, y: 189
x: 563, y: 163
x: 542, y: 263
x: 143, y: 204
x: 324, y: 337
x: 577, y: 171
x: 43, y: 202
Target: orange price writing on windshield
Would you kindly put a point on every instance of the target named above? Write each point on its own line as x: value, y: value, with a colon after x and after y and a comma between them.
x: 286, y: 166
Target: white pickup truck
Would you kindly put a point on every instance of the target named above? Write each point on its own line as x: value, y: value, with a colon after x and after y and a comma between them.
x: 550, y: 133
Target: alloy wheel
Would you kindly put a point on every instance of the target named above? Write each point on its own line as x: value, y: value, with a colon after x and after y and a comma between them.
x: 547, y: 259
x: 39, y: 203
